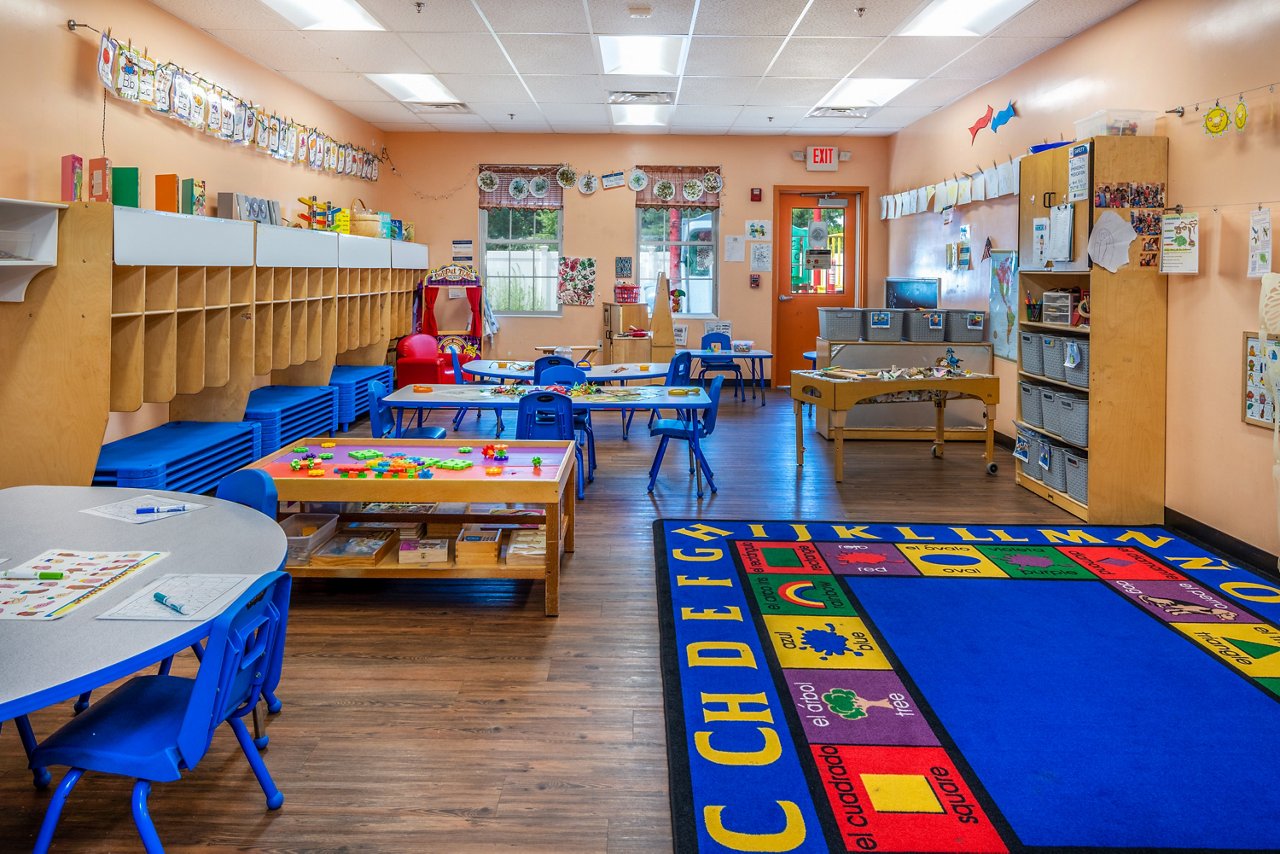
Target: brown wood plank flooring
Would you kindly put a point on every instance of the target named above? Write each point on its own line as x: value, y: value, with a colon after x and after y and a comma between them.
x: 452, y: 716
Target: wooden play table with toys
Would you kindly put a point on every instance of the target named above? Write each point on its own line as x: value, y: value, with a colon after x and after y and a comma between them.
x: 840, y: 389
x: 418, y: 471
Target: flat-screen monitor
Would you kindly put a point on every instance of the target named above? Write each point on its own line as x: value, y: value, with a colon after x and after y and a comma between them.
x: 906, y: 292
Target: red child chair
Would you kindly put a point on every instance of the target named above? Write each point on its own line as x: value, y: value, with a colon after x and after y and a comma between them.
x: 419, y: 362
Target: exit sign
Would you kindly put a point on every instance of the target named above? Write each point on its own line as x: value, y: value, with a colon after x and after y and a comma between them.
x: 821, y: 158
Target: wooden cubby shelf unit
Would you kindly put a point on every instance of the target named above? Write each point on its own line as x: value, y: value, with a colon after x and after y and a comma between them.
x: 1126, y: 335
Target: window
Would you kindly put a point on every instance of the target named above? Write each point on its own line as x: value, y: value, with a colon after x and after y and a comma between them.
x: 521, y: 258
x: 680, y: 242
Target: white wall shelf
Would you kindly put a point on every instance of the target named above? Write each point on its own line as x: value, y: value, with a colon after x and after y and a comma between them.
x: 28, y: 230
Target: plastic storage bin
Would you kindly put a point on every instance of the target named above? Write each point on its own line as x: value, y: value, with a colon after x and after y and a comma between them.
x: 305, y: 532
x: 1051, y: 349
x: 1031, y: 468
x: 1077, y: 374
x: 1056, y: 476
x: 1032, y: 410
x: 927, y: 326
x: 1077, y: 476
x: 743, y: 346
x: 1032, y: 354
x: 1048, y: 409
x: 1071, y: 418
x: 1058, y: 306
x: 1117, y: 123
x: 882, y: 324
x: 966, y: 327
x: 840, y: 324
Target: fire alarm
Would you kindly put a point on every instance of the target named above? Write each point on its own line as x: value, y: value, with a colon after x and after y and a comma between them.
x: 755, y: 280
x: 756, y: 194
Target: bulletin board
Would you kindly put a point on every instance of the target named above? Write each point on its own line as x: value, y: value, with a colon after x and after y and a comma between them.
x: 1256, y: 406
x: 911, y: 293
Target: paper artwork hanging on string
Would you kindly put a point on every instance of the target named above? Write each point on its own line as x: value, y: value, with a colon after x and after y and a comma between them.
x: 993, y: 120
x: 1259, y: 242
x: 577, y: 282
x: 1180, y: 243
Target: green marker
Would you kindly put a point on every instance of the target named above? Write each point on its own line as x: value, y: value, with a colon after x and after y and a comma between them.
x: 34, y: 575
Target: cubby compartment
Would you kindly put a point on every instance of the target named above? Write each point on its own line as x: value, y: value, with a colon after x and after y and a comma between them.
x: 159, y: 375
x: 161, y: 289
x: 264, y: 283
x: 127, y: 287
x: 263, y: 327
x: 298, y: 333
x: 283, y: 284
x: 315, y: 330
x: 241, y: 285
x: 217, y: 347
x: 189, y: 347
x: 217, y: 287
x: 191, y: 287
x: 280, y: 339
x: 127, y: 348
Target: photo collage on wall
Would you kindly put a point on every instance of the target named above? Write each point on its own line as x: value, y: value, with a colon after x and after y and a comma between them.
x: 1147, y: 200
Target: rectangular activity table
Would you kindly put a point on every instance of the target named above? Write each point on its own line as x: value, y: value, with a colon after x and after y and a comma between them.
x: 518, y: 481
x: 841, y: 391
x: 755, y: 360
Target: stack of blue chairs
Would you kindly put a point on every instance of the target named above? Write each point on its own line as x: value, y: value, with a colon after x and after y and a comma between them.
x: 185, y: 456
x: 352, y: 383
x: 288, y: 413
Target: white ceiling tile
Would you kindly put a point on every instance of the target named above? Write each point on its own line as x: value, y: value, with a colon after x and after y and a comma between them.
x: 840, y: 18
x: 730, y: 57
x: 437, y: 16
x: 934, y: 93
x: 790, y: 91
x: 576, y: 113
x: 226, y: 15
x: 456, y: 120
x: 527, y: 112
x: 669, y: 18
x: 817, y: 57
x: 377, y: 111
x: 640, y: 130
x: 994, y: 57
x: 402, y: 127
x: 552, y: 54
x: 633, y: 83
x: 896, y: 115
x: 752, y: 130
x: 782, y: 116
x: 703, y: 116
x: 580, y: 127
x: 716, y: 90
x: 715, y: 130
x: 281, y: 50
x: 912, y: 56
x: 818, y: 132
x: 729, y: 18
x: 482, y: 127
x: 1061, y: 18
x: 866, y: 131
x: 534, y: 16
x: 485, y: 88
x: 339, y: 85
x: 520, y: 127
x: 368, y: 52
x: 449, y: 53
x: 565, y: 88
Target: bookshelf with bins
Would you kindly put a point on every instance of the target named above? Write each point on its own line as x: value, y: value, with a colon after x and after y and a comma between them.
x: 1101, y: 373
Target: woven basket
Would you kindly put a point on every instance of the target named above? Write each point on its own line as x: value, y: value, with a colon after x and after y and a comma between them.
x: 364, y: 222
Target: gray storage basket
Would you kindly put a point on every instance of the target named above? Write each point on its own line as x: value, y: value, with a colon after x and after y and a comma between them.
x: 1032, y: 411
x: 1072, y: 418
x: 1049, y: 413
x: 1032, y: 354
x: 966, y: 327
x: 882, y: 324
x: 1051, y: 348
x: 1079, y: 374
x: 928, y: 326
x: 1056, y: 476
x: 840, y: 324
x: 1031, y: 468
x: 1077, y: 476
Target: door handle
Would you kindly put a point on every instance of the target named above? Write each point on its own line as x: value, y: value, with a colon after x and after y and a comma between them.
x: 785, y: 298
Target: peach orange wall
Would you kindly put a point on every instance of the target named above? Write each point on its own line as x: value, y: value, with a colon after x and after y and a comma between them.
x: 437, y: 191
x: 1156, y: 54
x: 53, y: 105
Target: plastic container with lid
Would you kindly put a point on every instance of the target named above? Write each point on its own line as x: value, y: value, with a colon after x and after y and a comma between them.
x: 1117, y: 123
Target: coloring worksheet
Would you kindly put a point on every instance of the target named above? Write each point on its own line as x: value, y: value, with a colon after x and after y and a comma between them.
x: 190, y: 597
x: 62, y: 579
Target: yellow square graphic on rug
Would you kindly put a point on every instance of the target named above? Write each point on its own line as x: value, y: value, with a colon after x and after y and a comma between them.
x: 950, y: 561
x: 830, y: 643
x: 1253, y: 648
x: 900, y: 793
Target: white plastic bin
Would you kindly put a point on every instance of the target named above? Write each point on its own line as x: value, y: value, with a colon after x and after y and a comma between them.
x: 1117, y: 123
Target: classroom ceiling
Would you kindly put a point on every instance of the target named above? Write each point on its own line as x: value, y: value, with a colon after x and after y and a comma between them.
x: 754, y: 67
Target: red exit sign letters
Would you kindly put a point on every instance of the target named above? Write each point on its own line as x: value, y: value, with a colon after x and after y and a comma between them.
x: 821, y: 158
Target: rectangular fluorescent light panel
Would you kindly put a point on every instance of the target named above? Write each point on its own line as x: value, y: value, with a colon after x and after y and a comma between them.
x: 640, y: 114
x: 346, y: 15
x: 414, y: 88
x: 643, y: 55
x: 963, y: 17
x: 867, y: 91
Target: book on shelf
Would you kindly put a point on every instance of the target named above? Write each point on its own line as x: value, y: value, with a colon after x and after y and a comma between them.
x: 395, y: 507
x: 424, y: 552
x: 506, y: 510
x: 407, y: 530
x: 355, y: 549
x: 476, y: 541
x: 527, y: 547
x: 451, y: 508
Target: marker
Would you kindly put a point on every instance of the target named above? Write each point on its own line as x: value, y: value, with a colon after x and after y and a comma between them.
x: 34, y: 575
x: 170, y: 603
x: 172, y: 508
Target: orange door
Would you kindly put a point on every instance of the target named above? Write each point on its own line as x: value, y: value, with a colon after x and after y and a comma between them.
x: 802, y: 281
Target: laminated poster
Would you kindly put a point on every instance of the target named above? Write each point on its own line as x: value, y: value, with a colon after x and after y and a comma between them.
x: 1039, y: 243
x: 1180, y: 244
x: 1078, y: 174
x: 1259, y: 242
x: 1061, y: 225
x: 761, y: 257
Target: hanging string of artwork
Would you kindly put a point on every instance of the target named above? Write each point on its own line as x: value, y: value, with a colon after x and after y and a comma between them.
x: 168, y: 89
x: 1219, y: 119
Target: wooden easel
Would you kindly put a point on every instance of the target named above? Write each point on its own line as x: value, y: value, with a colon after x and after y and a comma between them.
x: 662, y: 335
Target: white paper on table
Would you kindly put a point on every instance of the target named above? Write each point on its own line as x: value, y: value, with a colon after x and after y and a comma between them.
x: 1039, y: 242
x: 1180, y: 243
x: 991, y: 177
x: 1259, y: 242
x: 127, y: 510
x: 964, y: 191
x: 939, y: 197
x: 735, y: 247
x: 1061, y: 228
x: 761, y: 257
x: 1109, y: 243
x: 1008, y: 178
x: 979, y: 187
x: 204, y: 596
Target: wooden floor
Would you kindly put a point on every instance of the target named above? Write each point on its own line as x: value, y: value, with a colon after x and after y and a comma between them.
x: 455, y: 717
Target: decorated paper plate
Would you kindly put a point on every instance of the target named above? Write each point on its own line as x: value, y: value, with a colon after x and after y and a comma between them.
x: 487, y: 181
x: 587, y: 183
x: 566, y: 177
x: 538, y: 186
x: 664, y: 190
x: 713, y: 182
x: 637, y: 180
x: 692, y: 190
x: 518, y: 188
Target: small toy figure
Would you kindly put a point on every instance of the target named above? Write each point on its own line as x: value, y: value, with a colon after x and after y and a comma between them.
x: 465, y: 449
x: 328, y: 444
x: 537, y: 462
x: 493, y: 471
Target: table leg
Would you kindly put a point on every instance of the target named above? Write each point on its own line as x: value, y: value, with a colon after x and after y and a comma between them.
x: 939, y: 426
x: 991, y: 433
x: 399, y: 422
x: 838, y: 419
x: 799, y: 408
x: 551, y: 603
x: 569, y: 503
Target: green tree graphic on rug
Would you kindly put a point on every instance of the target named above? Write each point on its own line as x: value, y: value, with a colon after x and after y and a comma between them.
x: 848, y: 705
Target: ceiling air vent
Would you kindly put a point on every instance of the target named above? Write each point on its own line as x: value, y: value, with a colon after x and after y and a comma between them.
x: 650, y: 98
x: 841, y: 112
x: 454, y: 108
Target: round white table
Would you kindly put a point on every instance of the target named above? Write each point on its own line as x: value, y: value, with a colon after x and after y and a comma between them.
x: 503, y: 369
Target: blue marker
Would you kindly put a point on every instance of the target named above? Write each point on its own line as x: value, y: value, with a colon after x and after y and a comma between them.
x: 170, y: 603
x: 172, y: 508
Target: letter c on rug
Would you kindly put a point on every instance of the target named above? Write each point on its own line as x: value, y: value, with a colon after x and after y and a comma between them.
x: 791, y: 836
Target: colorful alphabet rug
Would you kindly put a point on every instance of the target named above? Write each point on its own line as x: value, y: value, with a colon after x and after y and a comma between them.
x: 849, y: 687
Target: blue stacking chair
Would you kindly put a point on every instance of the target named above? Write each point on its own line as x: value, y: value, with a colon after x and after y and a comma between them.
x: 460, y: 377
x: 693, y: 431
x: 381, y: 424
x: 720, y: 364
x: 153, y: 728
x: 567, y: 375
x: 549, y: 415
x: 548, y: 362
